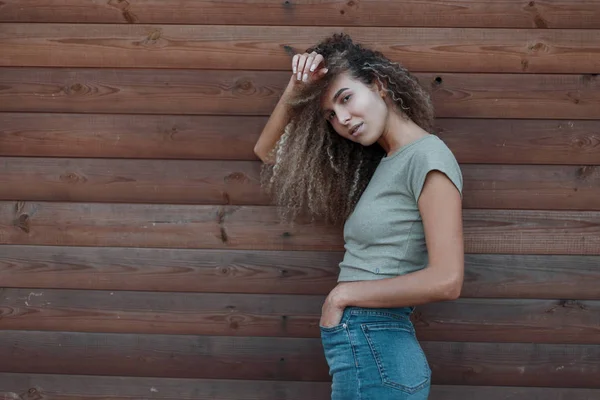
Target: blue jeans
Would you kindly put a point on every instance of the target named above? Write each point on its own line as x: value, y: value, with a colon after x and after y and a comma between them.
x: 373, y: 354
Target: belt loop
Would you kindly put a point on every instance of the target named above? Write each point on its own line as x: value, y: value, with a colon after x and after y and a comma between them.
x: 346, y: 315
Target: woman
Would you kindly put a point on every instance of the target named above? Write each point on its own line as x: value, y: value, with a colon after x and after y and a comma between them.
x: 349, y: 143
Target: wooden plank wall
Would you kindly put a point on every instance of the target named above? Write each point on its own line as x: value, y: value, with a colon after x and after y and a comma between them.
x: 139, y: 258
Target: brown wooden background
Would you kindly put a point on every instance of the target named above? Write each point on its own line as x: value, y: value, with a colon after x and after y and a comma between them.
x: 139, y: 259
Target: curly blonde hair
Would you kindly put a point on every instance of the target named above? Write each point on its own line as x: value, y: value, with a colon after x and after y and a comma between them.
x: 316, y: 172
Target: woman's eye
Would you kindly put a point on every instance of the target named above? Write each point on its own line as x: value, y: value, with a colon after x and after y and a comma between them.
x: 331, y: 115
x: 346, y: 98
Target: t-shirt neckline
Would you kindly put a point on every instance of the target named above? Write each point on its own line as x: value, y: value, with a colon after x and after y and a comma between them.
x: 405, y: 147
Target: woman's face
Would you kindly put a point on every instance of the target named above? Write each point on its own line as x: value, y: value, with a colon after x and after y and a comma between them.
x: 356, y: 111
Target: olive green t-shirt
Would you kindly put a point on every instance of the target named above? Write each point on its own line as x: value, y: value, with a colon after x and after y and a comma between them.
x: 384, y: 235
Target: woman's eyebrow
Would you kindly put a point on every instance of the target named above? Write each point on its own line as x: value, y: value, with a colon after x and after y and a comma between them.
x: 337, y: 94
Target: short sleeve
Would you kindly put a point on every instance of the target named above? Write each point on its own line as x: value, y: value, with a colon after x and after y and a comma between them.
x: 435, y: 157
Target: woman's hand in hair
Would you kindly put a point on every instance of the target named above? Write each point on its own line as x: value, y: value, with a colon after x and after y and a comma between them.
x: 307, y: 68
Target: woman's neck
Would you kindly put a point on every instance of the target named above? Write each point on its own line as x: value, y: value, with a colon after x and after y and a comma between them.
x: 399, y: 132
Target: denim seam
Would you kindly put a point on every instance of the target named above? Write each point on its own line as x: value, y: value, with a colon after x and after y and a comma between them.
x: 384, y: 378
x: 356, y: 364
x: 381, y: 314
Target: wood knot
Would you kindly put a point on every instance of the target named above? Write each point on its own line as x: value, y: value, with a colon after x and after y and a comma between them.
x: 289, y: 50
x: 573, y: 304
x: 72, y: 177
x: 540, y: 22
x: 587, y: 78
x: 244, y: 86
x: 153, y: 39
x: 125, y: 8
x: 33, y: 394
x: 236, y: 177
x: 226, y: 198
x: 539, y: 47
x: 19, y: 207
x: 351, y: 3
x: 235, y: 321
x: 585, y: 172
x: 76, y: 88
x: 154, y: 35
x: 531, y: 4
x: 223, y: 235
x: 22, y: 222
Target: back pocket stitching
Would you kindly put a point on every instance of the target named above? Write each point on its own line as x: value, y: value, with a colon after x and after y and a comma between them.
x: 384, y: 377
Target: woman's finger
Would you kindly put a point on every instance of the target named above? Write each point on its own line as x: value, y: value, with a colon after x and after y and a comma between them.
x: 322, y: 72
x: 308, y: 65
x: 316, y: 62
x: 301, y: 64
x: 295, y: 62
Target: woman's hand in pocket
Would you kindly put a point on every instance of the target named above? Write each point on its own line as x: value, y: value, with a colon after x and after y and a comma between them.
x: 333, y: 308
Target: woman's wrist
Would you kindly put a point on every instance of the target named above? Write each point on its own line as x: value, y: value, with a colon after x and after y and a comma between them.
x: 291, y: 87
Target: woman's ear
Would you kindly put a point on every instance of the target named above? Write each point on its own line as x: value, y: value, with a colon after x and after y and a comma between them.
x: 380, y: 89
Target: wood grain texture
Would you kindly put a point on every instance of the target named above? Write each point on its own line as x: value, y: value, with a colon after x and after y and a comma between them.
x: 436, y: 13
x: 144, y: 91
x: 271, y: 48
x: 464, y: 320
x: 296, y: 359
x: 521, y: 141
x: 274, y: 272
x: 136, y: 181
x: 67, y: 387
x: 259, y: 228
x: 478, y: 141
x: 238, y: 183
x: 142, y: 136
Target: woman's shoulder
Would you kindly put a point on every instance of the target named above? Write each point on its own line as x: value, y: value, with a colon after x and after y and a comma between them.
x: 432, y: 147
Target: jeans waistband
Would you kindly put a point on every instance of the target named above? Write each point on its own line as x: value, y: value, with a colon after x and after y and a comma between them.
x: 394, y: 313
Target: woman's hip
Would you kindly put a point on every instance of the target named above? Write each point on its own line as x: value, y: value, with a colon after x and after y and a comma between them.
x: 374, y: 353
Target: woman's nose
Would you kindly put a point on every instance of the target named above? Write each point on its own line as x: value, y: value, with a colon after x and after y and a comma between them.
x: 343, y: 118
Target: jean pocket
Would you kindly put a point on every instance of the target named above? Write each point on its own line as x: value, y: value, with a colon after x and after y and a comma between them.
x: 400, y: 360
x: 332, y: 329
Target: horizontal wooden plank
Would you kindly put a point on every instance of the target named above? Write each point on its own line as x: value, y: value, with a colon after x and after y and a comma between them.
x: 65, y: 387
x: 521, y: 141
x: 156, y: 136
x: 473, y: 320
x: 274, y: 272
x: 458, y: 392
x: 220, y: 137
x: 259, y: 228
x: 270, y: 47
x: 191, y: 270
x: 503, y: 320
x: 542, y: 187
x: 144, y: 91
x: 136, y: 181
x: 210, y: 357
x: 238, y: 183
x: 449, y: 13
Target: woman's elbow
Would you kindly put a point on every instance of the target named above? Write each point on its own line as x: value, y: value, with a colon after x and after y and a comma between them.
x: 263, y: 155
x: 260, y: 153
x: 452, y: 288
